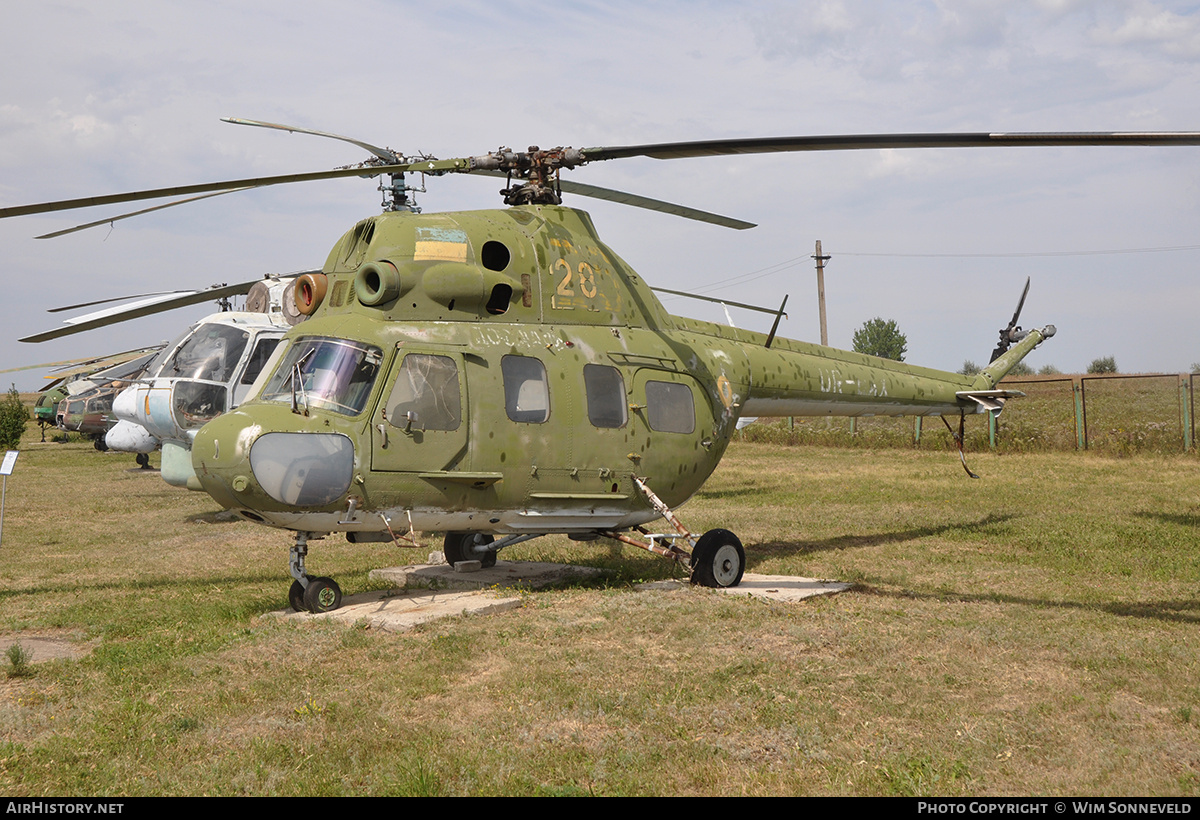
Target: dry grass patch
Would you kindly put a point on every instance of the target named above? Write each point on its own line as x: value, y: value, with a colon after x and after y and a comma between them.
x: 1032, y: 632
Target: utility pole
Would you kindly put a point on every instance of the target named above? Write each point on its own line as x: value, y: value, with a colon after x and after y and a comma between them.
x: 821, y: 260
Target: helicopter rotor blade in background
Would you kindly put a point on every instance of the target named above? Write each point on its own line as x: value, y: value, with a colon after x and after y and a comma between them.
x: 144, y: 307
x: 118, y: 299
x: 69, y: 367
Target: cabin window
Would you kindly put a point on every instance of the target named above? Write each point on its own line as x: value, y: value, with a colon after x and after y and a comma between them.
x: 526, y: 389
x: 670, y: 407
x: 426, y: 394
x: 605, y: 395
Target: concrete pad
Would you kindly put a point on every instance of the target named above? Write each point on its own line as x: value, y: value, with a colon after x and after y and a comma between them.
x: 505, y: 575
x: 438, y: 591
x: 396, y: 612
x: 772, y: 587
x: 46, y: 646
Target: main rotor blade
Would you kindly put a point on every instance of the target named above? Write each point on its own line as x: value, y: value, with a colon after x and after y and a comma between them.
x: 252, y: 182
x: 636, y: 200
x: 146, y: 307
x: 112, y: 219
x: 850, y: 142
x: 624, y: 198
x: 383, y: 153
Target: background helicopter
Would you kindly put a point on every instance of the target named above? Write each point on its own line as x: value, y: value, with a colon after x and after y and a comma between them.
x: 204, y: 372
x: 503, y: 373
x: 79, y: 397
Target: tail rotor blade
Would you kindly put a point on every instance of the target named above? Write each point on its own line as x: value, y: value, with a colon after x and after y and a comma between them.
x: 1013, y: 332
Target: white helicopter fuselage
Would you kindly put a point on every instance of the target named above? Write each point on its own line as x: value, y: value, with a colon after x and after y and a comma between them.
x: 206, y: 372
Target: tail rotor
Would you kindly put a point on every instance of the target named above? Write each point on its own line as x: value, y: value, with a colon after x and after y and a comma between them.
x: 1013, y: 332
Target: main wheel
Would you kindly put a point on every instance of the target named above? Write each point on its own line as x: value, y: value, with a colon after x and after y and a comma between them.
x: 718, y: 560
x: 296, y: 597
x: 462, y: 546
x: 143, y: 460
x: 322, y: 595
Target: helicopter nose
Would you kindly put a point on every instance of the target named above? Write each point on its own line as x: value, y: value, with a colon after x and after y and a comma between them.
x: 127, y: 437
x: 303, y: 469
x: 241, y: 465
x: 125, y: 405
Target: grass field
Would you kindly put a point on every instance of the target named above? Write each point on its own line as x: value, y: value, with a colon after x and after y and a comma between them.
x: 1033, y: 632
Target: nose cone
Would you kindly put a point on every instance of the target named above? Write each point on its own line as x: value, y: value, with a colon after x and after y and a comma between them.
x: 220, y: 457
x: 250, y: 463
x: 127, y: 437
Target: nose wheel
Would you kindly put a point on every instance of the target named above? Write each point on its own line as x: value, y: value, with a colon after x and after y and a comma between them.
x: 322, y: 595
x: 308, y: 594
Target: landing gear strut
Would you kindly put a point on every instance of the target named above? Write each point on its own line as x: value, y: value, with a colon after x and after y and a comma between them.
x: 717, y: 558
x: 309, y: 594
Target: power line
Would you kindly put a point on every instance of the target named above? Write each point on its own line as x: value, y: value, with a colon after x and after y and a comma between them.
x: 779, y: 267
x: 1025, y: 254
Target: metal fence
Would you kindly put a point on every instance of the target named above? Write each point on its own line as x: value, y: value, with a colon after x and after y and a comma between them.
x: 1113, y: 413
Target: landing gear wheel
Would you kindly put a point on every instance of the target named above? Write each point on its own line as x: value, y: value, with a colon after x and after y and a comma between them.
x: 322, y: 595
x: 718, y: 560
x: 462, y: 546
x: 100, y: 444
x: 143, y: 460
x: 296, y: 597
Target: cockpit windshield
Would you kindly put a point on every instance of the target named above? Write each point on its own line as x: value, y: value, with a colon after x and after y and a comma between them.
x: 212, y: 353
x: 332, y: 374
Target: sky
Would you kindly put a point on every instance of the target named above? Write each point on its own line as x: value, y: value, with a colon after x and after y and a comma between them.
x: 102, y: 98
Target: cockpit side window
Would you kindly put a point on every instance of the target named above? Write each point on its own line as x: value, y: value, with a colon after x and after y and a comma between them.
x: 262, y: 352
x: 426, y: 394
x: 526, y: 389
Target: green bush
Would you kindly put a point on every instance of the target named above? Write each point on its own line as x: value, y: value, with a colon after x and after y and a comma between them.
x: 1108, y: 364
x: 13, y: 416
